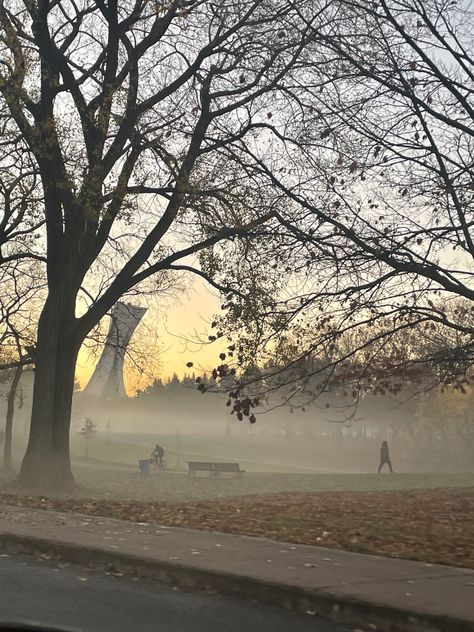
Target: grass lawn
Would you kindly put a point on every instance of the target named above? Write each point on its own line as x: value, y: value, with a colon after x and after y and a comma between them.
x: 430, y: 525
x: 110, y: 451
x: 129, y: 453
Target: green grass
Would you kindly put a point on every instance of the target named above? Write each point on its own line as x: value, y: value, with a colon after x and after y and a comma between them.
x: 263, y: 476
x: 374, y: 482
x: 125, y: 453
x: 110, y: 451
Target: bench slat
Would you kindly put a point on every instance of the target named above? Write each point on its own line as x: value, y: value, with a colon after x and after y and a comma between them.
x: 213, y: 467
x: 227, y: 467
x: 201, y: 465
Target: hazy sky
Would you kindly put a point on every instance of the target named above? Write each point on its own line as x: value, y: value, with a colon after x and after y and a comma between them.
x: 182, y: 321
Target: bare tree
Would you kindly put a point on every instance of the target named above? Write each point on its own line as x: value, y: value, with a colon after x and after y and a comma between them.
x: 12, y: 393
x: 118, y: 101
x: 21, y: 222
x: 21, y: 284
x: 378, y: 190
x: 88, y: 430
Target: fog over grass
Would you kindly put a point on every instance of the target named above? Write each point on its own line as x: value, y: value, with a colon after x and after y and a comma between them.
x: 430, y: 438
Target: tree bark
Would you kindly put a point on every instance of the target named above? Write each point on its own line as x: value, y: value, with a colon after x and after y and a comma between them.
x: 47, y: 464
x: 7, y: 447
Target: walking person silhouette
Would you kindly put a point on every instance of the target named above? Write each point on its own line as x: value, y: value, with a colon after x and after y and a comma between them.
x: 385, y: 457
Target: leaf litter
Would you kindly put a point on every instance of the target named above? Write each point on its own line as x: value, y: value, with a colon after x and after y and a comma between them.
x: 429, y: 525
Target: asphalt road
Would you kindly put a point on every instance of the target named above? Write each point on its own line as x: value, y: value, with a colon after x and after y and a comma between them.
x: 57, y: 594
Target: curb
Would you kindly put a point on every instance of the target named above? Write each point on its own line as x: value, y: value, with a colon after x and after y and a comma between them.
x: 349, y: 611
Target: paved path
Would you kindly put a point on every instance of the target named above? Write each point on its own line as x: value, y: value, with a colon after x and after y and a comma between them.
x: 346, y: 586
x: 73, y: 597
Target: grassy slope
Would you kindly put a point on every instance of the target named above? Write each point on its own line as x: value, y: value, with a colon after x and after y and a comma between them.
x: 127, y: 453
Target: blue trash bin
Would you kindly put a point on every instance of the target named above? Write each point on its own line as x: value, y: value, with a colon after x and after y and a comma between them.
x: 144, y: 466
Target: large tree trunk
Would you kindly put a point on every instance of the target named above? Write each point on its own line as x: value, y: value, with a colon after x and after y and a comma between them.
x: 46, y: 464
x: 7, y: 447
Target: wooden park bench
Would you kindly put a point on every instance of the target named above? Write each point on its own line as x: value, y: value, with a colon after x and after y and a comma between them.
x: 200, y: 466
x: 222, y: 468
x: 214, y: 469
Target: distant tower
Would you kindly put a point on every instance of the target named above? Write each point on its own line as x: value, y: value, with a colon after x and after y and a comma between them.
x: 107, y: 379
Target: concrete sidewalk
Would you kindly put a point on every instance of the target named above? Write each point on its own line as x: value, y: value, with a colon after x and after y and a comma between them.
x: 362, y: 590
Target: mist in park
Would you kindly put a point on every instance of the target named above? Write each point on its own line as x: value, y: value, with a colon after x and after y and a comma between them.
x: 137, y: 435
x: 237, y: 299
x: 426, y: 432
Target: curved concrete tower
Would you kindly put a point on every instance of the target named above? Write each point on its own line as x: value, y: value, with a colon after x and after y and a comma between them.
x: 107, y: 379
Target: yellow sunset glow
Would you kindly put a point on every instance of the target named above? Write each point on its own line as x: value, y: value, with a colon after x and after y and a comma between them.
x: 181, y: 328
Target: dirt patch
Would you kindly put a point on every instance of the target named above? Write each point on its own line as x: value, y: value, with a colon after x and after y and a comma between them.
x: 435, y: 525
